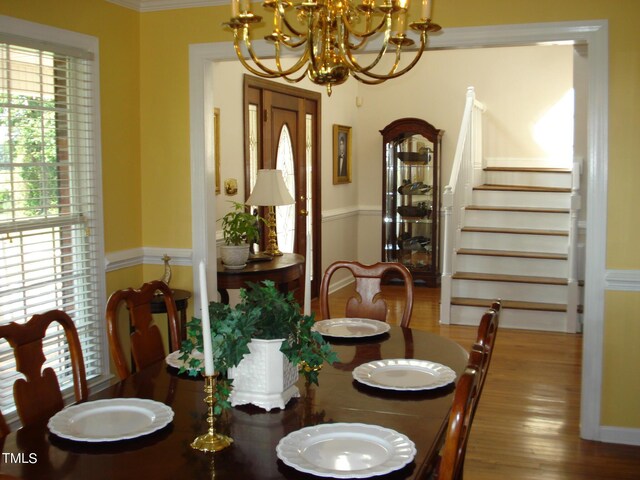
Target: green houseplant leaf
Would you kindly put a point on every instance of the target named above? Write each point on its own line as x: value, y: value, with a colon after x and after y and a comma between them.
x: 265, y: 313
x: 240, y: 226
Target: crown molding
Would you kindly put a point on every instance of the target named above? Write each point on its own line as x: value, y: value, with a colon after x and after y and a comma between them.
x: 156, y: 5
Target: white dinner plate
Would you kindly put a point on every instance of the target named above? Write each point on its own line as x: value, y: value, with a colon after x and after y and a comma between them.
x: 404, y: 374
x: 346, y: 450
x: 110, y: 420
x: 351, y: 327
x: 173, y: 359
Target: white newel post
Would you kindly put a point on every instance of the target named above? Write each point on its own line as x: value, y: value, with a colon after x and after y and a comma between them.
x: 573, y: 285
x: 445, y: 283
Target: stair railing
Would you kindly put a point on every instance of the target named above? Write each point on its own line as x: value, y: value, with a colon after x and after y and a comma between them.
x: 465, y: 174
x: 573, y: 297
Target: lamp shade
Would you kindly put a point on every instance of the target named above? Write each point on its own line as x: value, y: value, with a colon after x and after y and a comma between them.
x: 270, y: 190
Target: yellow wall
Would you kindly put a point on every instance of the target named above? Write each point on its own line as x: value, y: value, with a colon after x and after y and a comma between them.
x: 620, y: 386
x: 145, y: 115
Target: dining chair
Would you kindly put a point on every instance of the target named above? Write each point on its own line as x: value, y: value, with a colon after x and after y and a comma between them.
x: 4, y: 428
x: 147, y: 346
x: 368, y: 302
x: 467, y: 395
x: 465, y: 401
x: 37, y: 396
x: 489, y: 325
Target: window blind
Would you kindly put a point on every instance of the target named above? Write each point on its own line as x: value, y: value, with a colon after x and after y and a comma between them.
x: 48, y: 204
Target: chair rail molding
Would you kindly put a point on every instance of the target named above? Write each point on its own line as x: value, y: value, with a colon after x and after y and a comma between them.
x: 146, y: 256
x: 348, y: 212
x: 623, y: 280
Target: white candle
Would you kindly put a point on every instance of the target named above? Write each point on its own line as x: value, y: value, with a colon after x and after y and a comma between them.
x: 206, y: 324
x: 235, y: 8
x: 426, y: 9
x: 307, y: 278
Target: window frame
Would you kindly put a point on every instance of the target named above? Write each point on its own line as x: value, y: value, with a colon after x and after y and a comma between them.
x: 34, y: 35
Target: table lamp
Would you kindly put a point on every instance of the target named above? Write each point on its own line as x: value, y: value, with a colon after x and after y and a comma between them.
x: 270, y: 191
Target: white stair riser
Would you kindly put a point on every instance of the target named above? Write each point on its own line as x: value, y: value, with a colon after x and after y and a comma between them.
x: 493, y: 218
x: 524, y: 292
x: 521, y: 199
x: 531, y: 179
x: 528, y: 162
x: 512, y: 265
x: 512, y: 318
x: 518, y: 242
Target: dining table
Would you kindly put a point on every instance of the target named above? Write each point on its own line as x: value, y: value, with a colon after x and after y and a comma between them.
x: 34, y: 452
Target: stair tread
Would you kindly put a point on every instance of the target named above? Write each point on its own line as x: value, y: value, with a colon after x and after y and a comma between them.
x: 527, y: 169
x: 509, y: 304
x: 518, y: 231
x: 517, y: 209
x: 512, y: 253
x: 521, y: 188
x: 496, y: 277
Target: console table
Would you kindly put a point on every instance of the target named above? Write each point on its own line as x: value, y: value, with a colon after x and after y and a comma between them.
x: 285, y: 271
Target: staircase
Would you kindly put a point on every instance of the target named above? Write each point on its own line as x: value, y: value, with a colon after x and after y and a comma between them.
x: 514, y: 245
x: 509, y: 233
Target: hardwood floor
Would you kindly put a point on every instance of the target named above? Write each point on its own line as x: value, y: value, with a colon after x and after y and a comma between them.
x: 527, y: 424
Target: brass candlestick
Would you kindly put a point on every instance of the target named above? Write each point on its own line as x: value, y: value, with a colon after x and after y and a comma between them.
x: 211, y: 441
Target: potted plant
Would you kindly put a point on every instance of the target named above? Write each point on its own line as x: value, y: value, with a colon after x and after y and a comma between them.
x: 239, y: 230
x: 264, y: 316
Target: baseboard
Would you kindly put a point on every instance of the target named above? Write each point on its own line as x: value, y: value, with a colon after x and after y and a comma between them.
x: 626, y: 436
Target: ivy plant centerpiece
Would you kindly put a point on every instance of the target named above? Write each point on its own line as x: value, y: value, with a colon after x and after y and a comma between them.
x: 263, y: 314
x: 239, y: 230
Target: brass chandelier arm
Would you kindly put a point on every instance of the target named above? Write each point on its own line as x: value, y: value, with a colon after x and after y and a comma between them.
x: 294, y: 31
x: 354, y: 66
x: 262, y: 70
x: 301, y: 62
x: 367, y: 33
x: 393, y: 73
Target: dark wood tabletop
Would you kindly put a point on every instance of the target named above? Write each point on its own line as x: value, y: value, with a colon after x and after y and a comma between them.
x: 286, y: 271
x: 167, y: 454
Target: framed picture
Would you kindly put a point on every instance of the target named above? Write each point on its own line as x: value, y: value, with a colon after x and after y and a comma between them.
x: 216, y: 147
x: 341, y: 154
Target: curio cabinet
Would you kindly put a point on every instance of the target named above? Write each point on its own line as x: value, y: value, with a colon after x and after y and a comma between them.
x: 411, y: 196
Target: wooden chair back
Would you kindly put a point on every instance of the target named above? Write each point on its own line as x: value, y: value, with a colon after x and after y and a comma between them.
x: 466, y: 397
x: 368, y: 302
x: 38, y: 395
x: 486, y: 339
x: 4, y: 428
x: 146, y: 342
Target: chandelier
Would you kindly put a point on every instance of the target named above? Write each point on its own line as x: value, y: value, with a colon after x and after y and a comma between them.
x: 326, y: 34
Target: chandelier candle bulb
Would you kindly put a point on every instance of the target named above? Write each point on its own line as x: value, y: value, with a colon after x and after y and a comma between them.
x: 401, y: 22
x: 277, y: 21
x: 206, y: 323
x: 426, y: 9
x: 245, y: 6
x: 235, y: 8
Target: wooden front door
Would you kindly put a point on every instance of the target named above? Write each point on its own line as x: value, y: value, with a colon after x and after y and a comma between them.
x: 282, y: 132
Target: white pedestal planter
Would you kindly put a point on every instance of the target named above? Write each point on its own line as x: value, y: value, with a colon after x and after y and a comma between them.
x: 264, y: 377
